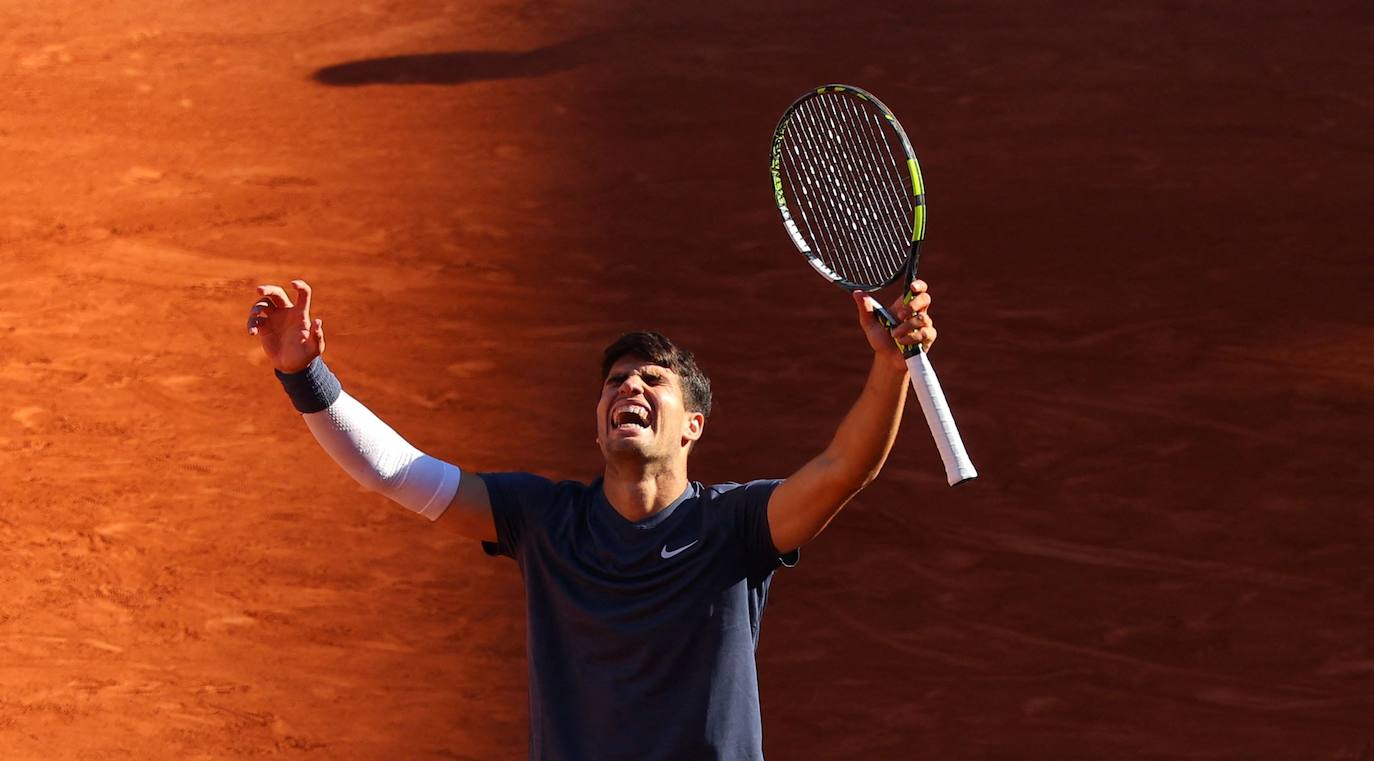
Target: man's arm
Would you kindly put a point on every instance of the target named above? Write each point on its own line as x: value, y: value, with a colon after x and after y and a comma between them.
x: 806, y: 502
x: 470, y: 511
x: 357, y: 440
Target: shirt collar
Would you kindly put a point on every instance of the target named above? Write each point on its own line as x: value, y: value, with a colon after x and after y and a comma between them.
x: 647, y: 523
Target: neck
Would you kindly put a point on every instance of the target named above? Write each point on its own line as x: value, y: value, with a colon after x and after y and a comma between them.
x: 640, y: 490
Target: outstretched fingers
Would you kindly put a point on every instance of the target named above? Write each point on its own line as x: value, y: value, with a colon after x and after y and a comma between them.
x: 275, y: 295
x: 270, y: 299
x: 302, y: 294
x: 290, y: 338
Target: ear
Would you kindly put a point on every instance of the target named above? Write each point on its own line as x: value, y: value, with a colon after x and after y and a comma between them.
x: 693, y: 427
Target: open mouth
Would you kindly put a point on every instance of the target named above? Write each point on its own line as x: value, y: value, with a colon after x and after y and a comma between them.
x: 630, y: 417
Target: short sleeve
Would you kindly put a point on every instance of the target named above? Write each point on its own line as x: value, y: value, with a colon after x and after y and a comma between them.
x: 515, y: 499
x: 752, y: 517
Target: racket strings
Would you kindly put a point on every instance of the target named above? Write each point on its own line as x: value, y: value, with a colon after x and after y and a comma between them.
x: 859, y: 246
x: 872, y: 165
x: 816, y: 216
x: 848, y: 188
x: 850, y: 254
x: 865, y: 215
x: 822, y: 242
x: 893, y: 183
x: 835, y: 222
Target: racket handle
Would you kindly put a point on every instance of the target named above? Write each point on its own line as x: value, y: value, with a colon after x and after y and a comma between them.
x: 958, y: 467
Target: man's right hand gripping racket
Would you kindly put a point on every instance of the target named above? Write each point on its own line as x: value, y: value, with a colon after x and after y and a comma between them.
x: 847, y: 183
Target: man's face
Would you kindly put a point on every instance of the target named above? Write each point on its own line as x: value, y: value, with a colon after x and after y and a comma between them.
x: 641, y: 413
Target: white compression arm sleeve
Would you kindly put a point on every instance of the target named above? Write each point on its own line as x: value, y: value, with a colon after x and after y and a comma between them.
x: 379, y: 459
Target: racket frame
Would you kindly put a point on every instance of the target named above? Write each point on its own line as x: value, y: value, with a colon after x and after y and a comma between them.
x: 918, y: 224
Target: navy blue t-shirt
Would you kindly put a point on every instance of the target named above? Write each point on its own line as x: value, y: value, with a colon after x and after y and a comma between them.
x: 641, y: 634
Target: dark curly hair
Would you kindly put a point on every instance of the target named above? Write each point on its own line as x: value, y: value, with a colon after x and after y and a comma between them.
x: 659, y: 350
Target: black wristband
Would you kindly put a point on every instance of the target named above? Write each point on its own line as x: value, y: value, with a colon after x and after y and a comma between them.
x: 312, y: 389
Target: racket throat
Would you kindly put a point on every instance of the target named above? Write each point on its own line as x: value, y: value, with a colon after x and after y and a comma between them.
x: 889, y: 321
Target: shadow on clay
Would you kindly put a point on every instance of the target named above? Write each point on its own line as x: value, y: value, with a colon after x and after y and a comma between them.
x: 462, y: 66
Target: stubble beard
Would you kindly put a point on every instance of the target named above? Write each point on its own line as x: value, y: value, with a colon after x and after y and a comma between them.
x: 637, y: 455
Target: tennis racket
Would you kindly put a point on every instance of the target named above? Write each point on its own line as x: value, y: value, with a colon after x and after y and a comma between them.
x: 852, y: 200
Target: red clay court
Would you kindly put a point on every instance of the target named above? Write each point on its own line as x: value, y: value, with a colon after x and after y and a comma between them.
x: 1146, y: 249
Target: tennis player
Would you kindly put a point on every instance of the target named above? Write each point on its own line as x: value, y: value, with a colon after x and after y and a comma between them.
x: 644, y: 590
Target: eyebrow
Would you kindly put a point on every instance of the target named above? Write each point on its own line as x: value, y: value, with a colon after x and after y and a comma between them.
x: 651, y: 371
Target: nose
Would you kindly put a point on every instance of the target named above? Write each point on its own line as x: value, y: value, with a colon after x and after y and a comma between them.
x: 631, y: 386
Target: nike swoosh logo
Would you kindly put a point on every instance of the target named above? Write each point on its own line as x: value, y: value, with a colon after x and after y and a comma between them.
x: 666, y: 553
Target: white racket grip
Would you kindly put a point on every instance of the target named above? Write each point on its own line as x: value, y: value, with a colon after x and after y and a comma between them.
x: 958, y: 467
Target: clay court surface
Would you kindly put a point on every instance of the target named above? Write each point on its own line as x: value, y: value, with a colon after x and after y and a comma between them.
x: 1148, y: 251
